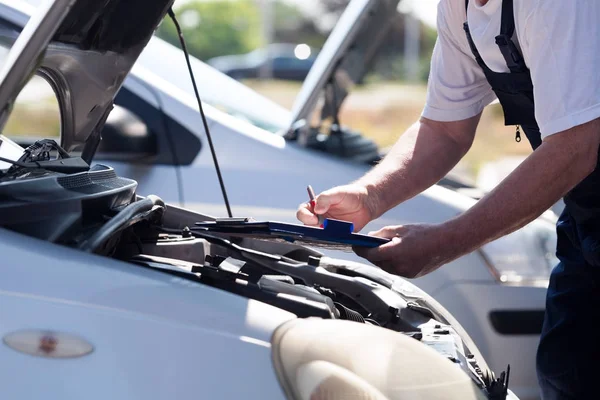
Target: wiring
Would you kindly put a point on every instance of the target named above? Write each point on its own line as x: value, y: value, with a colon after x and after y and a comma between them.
x: 135, y: 212
x: 40, y: 151
x: 204, y: 121
x: 37, y: 156
x: 34, y: 164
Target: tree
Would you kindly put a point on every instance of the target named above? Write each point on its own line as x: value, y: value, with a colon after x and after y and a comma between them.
x: 221, y: 27
x: 293, y: 26
x: 214, y: 28
x: 336, y: 7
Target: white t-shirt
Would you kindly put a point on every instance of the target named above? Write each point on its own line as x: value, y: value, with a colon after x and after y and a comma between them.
x: 560, y: 42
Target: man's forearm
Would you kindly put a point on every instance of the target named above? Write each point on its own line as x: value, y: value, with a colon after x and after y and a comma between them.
x: 421, y: 157
x: 543, y: 178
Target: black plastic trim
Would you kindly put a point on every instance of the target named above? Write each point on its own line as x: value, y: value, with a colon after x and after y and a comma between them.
x: 513, y: 322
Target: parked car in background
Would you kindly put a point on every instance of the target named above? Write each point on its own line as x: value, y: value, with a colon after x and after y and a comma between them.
x: 268, y: 155
x: 283, y: 61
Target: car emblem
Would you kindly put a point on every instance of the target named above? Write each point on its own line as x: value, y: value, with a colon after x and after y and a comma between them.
x: 48, y: 344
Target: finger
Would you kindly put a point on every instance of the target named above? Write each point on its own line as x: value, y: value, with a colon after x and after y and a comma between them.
x: 388, y: 232
x: 384, y: 264
x: 385, y: 252
x: 327, y: 199
x: 362, y: 251
x: 306, y: 216
x: 391, y: 265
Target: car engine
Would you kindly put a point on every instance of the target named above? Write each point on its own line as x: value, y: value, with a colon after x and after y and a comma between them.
x: 99, y: 212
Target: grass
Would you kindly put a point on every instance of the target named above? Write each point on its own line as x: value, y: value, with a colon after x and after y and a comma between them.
x: 39, y: 119
x: 383, y: 111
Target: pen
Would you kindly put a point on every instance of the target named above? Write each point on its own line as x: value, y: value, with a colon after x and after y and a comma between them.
x: 312, y: 197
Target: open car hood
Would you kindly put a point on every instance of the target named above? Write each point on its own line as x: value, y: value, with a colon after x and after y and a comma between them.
x: 344, y: 59
x: 85, y: 49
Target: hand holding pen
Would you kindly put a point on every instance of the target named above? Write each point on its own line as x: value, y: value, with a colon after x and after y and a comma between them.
x: 313, y: 203
x: 350, y: 203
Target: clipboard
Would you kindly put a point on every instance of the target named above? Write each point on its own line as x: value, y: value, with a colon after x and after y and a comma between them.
x: 335, y: 234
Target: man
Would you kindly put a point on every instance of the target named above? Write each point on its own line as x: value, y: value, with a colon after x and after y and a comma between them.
x: 547, y: 50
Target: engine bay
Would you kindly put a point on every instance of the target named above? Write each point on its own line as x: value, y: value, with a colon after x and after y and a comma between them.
x: 98, y: 212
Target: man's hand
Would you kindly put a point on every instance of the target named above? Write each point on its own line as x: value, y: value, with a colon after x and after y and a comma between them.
x: 414, y: 250
x: 348, y: 203
x: 420, y: 158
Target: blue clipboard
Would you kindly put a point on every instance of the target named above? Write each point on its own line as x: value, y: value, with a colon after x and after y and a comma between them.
x: 334, y: 234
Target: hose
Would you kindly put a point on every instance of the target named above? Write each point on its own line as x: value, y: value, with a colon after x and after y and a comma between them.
x: 133, y: 213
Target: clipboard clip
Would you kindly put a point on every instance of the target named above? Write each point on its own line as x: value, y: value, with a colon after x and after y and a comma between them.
x: 338, y: 228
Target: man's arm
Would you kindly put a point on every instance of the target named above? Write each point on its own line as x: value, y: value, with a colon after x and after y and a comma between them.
x: 559, y: 164
x: 421, y: 157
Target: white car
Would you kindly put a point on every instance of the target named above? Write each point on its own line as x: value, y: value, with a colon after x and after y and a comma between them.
x: 107, y: 294
x: 269, y: 154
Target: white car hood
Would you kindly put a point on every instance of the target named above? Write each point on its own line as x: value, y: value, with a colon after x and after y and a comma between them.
x: 178, y: 327
x: 64, y: 276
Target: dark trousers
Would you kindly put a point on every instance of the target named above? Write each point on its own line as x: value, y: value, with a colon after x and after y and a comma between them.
x: 568, y: 358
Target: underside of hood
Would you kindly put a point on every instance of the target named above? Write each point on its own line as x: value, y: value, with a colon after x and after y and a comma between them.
x: 344, y: 59
x: 85, y: 49
x: 111, y: 25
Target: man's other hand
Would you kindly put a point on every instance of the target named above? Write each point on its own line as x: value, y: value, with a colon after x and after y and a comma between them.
x: 414, y: 250
x: 350, y: 203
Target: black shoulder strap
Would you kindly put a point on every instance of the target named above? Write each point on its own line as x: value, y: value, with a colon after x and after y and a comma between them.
x: 507, y: 25
x: 509, y: 50
x: 467, y: 5
x: 474, y: 50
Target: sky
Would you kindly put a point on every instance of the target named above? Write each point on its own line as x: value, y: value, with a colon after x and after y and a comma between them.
x: 426, y: 10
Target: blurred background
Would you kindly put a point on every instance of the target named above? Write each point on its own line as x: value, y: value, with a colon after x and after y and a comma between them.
x: 270, y: 45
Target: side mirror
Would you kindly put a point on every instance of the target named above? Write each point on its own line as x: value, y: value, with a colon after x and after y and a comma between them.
x: 125, y: 136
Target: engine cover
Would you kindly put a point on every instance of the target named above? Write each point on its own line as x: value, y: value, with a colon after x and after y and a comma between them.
x: 49, y: 205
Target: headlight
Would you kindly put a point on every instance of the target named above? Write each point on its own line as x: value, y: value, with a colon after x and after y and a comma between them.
x: 331, y: 359
x: 525, y: 257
